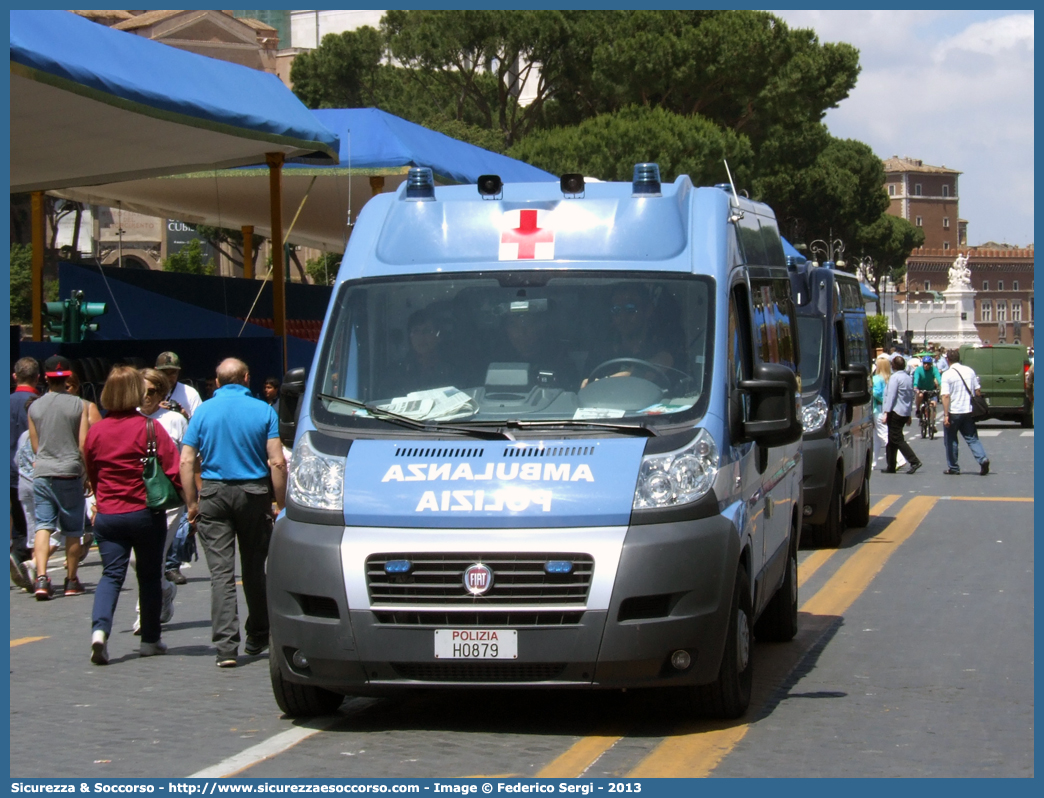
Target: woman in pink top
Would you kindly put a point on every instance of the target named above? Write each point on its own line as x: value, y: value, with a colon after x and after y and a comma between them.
x: 114, y: 451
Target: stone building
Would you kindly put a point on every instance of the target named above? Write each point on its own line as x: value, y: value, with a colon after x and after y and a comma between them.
x: 927, y: 197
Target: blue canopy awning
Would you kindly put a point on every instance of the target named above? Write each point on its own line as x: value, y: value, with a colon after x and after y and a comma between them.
x: 373, y: 144
x: 372, y: 139
x: 94, y: 105
x: 867, y: 292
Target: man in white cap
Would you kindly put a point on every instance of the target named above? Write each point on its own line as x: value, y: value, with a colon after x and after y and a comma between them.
x: 185, y: 396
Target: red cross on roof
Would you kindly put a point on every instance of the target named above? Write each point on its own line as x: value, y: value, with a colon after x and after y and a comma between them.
x: 527, y: 235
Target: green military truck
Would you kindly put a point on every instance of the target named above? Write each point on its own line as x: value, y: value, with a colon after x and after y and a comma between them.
x: 1002, y: 373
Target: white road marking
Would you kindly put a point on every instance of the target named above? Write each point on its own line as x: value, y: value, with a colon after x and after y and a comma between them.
x: 269, y: 748
x: 1028, y: 434
x: 989, y: 433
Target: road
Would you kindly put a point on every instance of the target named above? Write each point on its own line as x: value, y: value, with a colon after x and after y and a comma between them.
x: 914, y: 658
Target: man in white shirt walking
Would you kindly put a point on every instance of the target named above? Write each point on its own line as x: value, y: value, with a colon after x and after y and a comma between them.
x: 958, y: 382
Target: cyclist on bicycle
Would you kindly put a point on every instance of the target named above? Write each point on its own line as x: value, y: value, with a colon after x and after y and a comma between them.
x: 926, y: 384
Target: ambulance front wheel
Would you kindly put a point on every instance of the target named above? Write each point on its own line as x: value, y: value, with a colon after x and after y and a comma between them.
x: 300, y: 700
x: 728, y: 696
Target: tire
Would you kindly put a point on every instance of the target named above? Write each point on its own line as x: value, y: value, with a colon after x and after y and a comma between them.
x: 1027, y: 418
x: 779, y: 622
x: 924, y: 424
x: 831, y: 531
x: 300, y: 700
x: 728, y: 696
x: 857, y: 511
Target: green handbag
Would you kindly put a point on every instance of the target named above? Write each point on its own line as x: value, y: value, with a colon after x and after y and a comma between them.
x: 160, y: 492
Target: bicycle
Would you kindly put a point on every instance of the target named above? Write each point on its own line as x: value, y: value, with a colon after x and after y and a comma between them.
x: 926, y: 414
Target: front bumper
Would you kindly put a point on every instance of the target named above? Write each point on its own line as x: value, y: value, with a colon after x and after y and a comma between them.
x: 656, y: 589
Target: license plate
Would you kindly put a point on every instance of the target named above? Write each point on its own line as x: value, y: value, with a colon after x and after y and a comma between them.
x: 476, y: 644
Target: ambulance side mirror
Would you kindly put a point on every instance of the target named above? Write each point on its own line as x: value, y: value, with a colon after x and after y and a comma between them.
x: 290, y: 393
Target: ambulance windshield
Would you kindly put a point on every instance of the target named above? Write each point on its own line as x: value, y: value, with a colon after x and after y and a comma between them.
x: 517, y: 346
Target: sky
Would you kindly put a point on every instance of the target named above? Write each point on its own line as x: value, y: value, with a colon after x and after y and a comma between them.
x: 952, y: 88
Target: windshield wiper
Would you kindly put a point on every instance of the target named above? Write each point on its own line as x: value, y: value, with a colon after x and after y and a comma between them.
x: 573, y: 423
x: 412, y: 423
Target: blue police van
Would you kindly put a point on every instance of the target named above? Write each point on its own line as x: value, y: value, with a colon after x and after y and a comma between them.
x: 550, y: 439
x: 836, y: 413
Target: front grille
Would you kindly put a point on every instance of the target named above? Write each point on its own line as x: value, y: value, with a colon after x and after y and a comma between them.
x: 517, y: 579
x: 479, y: 672
x: 484, y: 619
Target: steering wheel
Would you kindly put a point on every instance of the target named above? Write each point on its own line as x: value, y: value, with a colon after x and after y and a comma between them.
x: 612, y: 366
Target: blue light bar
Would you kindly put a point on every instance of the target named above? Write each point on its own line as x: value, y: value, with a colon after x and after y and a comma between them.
x: 398, y: 567
x: 646, y: 181
x: 558, y: 567
x: 420, y: 184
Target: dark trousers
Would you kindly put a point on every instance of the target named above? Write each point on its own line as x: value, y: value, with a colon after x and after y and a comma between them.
x: 117, y: 534
x: 897, y: 442
x: 230, y: 512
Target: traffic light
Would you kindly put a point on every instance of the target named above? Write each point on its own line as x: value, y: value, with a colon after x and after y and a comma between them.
x: 58, y: 321
x: 88, y: 310
x: 72, y: 318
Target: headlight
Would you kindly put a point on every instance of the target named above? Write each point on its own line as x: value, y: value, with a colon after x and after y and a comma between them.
x: 813, y: 416
x: 316, y: 479
x: 667, y: 480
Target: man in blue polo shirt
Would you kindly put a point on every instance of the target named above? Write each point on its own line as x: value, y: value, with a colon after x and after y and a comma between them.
x: 236, y: 438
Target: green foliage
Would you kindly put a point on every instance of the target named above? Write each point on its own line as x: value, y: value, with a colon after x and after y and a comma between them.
x: 189, y: 260
x: 343, y: 72
x: 608, y: 146
x: 884, y: 247
x: 228, y: 242
x: 323, y: 270
x: 682, y: 88
x: 834, y: 196
x: 22, y: 285
x: 878, y: 330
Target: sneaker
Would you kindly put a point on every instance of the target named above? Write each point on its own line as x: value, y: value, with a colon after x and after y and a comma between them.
x: 74, y: 587
x: 170, y: 590
x: 984, y: 468
x: 19, y: 574
x: 915, y: 467
x: 43, y: 588
x: 887, y: 470
x: 136, y: 626
x: 255, y: 645
x: 226, y: 661
x: 100, y: 648
x: 174, y: 575
x: 152, y: 649
x: 952, y: 471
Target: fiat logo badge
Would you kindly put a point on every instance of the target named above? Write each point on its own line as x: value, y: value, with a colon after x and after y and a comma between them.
x: 478, y: 579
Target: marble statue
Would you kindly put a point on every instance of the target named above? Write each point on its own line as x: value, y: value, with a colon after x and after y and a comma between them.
x: 960, y: 274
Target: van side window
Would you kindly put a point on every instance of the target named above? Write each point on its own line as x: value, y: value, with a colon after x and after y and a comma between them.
x: 751, y: 241
x: 857, y: 351
x: 739, y: 366
x: 772, y: 323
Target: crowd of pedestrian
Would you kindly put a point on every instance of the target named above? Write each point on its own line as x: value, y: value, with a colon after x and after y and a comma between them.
x: 902, y: 385
x: 77, y: 478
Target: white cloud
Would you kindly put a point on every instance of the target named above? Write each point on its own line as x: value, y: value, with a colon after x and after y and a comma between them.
x: 950, y: 88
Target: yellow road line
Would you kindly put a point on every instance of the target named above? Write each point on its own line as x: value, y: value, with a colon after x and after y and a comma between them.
x: 986, y: 498
x: 844, y: 587
x: 816, y: 559
x: 697, y: 752
x: 579, y: 757
x: 21, y: 641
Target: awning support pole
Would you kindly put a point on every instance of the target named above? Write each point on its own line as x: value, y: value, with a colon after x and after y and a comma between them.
x: 37, y: 223
x: 275, y: 189
x: 248, y: 252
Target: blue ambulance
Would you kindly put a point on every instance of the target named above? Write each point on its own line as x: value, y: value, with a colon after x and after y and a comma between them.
x: 551, y: 438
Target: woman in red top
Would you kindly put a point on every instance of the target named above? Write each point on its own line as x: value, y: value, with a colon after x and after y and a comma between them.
x: 114, y: 451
